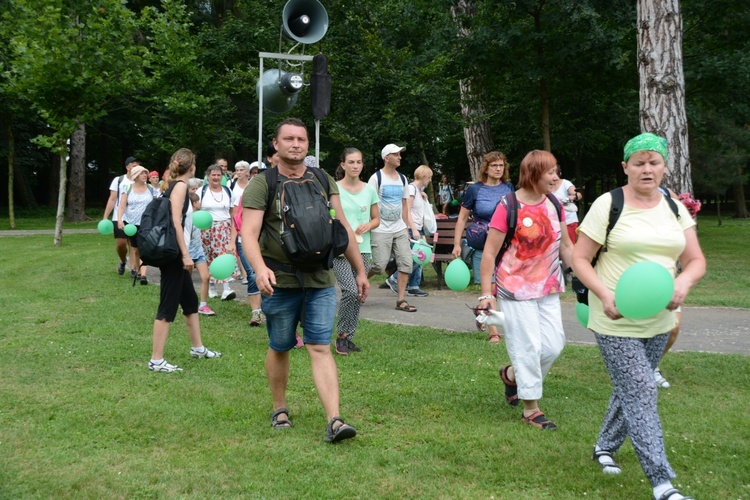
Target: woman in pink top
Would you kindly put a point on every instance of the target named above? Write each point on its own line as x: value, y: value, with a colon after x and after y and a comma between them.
x: 528, y: 282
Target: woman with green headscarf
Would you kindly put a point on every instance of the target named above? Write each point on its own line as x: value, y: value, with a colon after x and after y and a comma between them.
x: 647, y: 230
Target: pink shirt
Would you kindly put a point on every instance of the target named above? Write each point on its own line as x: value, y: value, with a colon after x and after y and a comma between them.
x: 530, y: 268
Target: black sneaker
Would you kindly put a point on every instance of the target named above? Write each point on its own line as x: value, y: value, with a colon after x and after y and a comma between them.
x: 352, y: 347
x: 144, y: 280
x: 342, y: 346
x: 416, y: 292
x: 384, y: 286
x: 121, y: 268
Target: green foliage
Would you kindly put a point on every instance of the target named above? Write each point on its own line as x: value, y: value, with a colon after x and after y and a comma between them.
x: 68, y: 60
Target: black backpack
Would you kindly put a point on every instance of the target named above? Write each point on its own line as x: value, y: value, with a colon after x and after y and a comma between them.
x: 618, y: 201
x: 157, y: 238
x: 511, y: 202
x: 311, y: 237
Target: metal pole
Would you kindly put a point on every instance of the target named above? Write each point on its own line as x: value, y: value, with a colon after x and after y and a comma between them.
x: 260, y: 116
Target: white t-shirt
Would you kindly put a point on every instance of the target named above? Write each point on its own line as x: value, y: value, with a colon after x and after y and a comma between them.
x: 391, y: 192
x: 562, y: 195
x: 217, y: 204
x: 417, y: 206
x: 113, y: 187
x: 237, y: 194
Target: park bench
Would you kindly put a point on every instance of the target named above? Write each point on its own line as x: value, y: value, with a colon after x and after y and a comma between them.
x: 443, y: 242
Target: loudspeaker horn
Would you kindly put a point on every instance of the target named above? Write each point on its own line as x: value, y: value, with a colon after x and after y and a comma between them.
x: 305, y: 21
x: 280, y: 90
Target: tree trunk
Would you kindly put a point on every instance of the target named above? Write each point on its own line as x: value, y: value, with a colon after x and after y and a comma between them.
x: 61, y: 199
x: 543, y: 89
x: 718, y: 209
x: 477, y: 130
x: 740, y: 203
x: 11, y: 158
x: 662, y: 85
x: 77, y: 192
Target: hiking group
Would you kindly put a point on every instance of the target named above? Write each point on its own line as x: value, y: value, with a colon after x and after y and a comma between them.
x: 297, y: 233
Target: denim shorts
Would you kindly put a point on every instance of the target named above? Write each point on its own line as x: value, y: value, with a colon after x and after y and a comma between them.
x: 313, y: 308
x: 200, y: 259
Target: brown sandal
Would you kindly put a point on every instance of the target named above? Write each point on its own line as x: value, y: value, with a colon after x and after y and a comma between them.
x: 403, y: 305
x: 511, y: 388
x: 538, y: 420
x: 494, y: 338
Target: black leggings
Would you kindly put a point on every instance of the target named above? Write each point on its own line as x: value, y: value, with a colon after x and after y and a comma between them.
x: 176, y: 290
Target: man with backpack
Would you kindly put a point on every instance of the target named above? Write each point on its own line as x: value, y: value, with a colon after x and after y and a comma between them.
x: 392, y: 235
x: 116, y: 188
x: 293, y: 227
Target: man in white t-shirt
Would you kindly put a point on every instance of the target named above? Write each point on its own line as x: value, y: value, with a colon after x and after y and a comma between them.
x: 392, y: 233
x: 116, y: 188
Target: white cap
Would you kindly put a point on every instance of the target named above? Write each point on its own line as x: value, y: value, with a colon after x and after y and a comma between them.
x: 390, y: 149
x: 261, y: 166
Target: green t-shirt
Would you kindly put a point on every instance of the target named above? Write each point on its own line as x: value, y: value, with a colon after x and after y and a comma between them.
x: 653, y: 235
x: 356, y: 208
x: 255, y: 197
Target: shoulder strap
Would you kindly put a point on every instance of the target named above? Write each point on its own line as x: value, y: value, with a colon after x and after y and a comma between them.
x: 670, y: 202
x: 119, y: 180
x: 322, y: 178
x: 511, y: 218
x: 272, y: 179
x: 151, y: 190
x: 380, y: 179
x: 127, y: 189
x: 557, y: 204
x: 229, y: 193
x: 618, y: 201
x: 203, y: 191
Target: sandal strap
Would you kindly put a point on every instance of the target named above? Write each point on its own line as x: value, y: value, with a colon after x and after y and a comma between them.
x: 277, y: 422
x: 672, y: 491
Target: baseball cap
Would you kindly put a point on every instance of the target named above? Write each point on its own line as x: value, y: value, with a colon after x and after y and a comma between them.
x: 130, y: 159
x: 390, y: 149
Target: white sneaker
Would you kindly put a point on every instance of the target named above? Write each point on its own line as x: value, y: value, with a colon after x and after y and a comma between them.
x: 212, y: 293
x: 228, y: 295
x: 163, y: 367
x: 660, y: 380
x: 207, y: 354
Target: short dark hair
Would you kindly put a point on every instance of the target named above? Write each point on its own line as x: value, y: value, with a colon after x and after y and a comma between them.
x: 290, y: 121
x: 270, y: 149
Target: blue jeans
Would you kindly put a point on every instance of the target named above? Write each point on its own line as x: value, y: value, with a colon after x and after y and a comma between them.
x: 252, y: 286
x: 415, y: 277
x: 316, y: 307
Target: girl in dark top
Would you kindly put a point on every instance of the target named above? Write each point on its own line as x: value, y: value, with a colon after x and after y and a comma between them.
x: 176, y: 282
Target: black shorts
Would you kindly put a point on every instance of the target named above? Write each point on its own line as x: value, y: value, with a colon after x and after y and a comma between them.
x: 132, y: 239
x: 119, y: 233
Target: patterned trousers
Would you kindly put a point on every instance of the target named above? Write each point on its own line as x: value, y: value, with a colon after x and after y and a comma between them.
x: 632, y: 406
x: 350, y: 304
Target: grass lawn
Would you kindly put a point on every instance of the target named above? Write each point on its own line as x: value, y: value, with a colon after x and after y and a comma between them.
x: 82, y: 417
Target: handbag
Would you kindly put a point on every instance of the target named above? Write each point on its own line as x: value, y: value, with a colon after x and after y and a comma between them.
x: 570, y: 206
x: 429, y: 223
x: 476, y: 234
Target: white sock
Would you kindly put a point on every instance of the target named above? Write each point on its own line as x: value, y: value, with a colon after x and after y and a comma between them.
x: 199, y: 349
x: 226, y: 287
x: 256, y: 311
x: 202, y: 304
x: 157, y: 361
x: 663, y: 487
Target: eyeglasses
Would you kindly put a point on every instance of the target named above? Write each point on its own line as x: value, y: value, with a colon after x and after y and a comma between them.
x: 497, y: 165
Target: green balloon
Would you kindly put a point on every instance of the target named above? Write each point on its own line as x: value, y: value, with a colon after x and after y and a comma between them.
x: 130, y: 229
x: 105, y: 226
x: 222, y: 266
x: 421, y: 253
x: 644, y: 290
x: 582, y: 313
x: 457, y: 275
x: 454, y: 203
x: 202, y: 219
